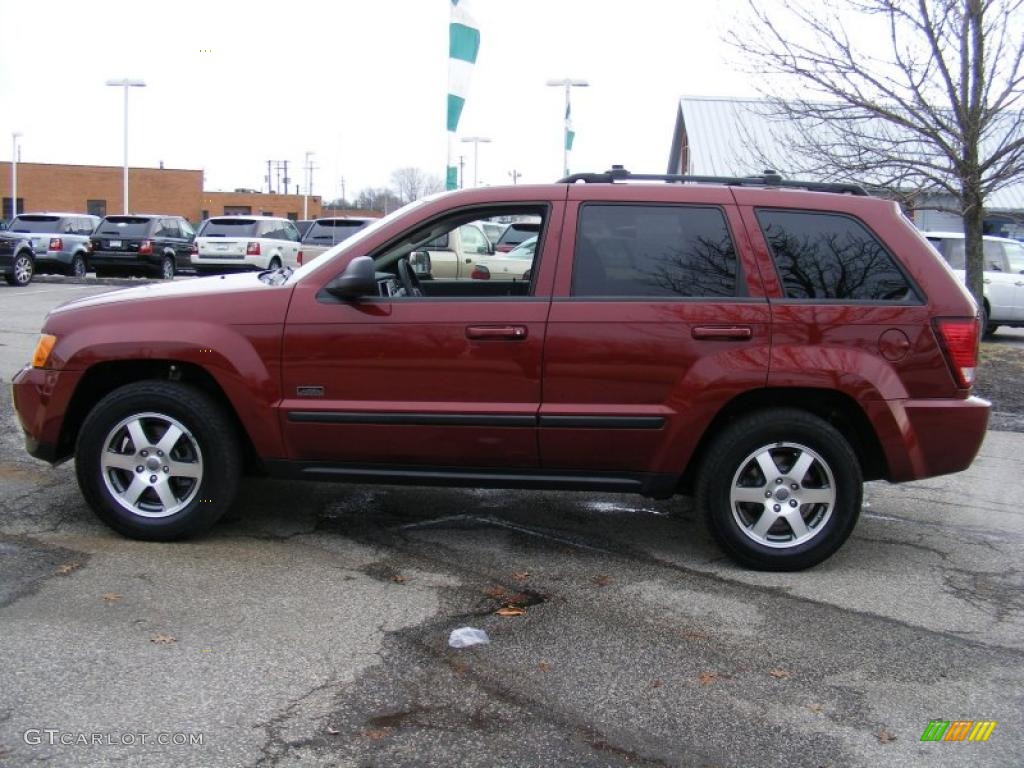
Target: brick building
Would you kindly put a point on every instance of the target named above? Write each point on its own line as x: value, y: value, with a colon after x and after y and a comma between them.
x: 97, y: 189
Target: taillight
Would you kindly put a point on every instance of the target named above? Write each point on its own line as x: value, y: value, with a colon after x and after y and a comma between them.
x: 298, y: 258
x: 252, y: 249
x: 194, y: 249
x: 56, y: 244
x: 503, y: 248
x: 145, y: 247
x: 480, y: 272
x: 959, y: 339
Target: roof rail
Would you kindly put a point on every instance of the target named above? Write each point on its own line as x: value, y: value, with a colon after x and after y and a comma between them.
x: 769, y: 178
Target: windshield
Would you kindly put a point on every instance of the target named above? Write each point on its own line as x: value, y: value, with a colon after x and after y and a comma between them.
x: 363, y: 234
x: 227, y: 228
x: 124, y: 226
x: 34, y: 224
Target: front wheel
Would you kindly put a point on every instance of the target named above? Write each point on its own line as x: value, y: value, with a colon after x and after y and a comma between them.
x: 158, y: 460
x: 781, y: 490
x: 21, y: 270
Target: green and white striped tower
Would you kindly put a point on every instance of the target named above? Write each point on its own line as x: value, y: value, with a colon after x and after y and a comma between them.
x: 463, y: 46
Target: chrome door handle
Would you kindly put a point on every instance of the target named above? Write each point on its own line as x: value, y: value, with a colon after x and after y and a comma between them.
x: 986, y: 281
x: 726, y: 332
x: 511, y: 332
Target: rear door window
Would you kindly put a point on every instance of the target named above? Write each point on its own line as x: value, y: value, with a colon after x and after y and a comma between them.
x: 654, y: 251
x: 824, y: 256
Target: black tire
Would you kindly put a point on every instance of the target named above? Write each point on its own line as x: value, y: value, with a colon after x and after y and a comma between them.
x: 77, y: 267
x: 165, y: 270
x: 208, y: 442
x: 788, y: 434
x: 23, y: 268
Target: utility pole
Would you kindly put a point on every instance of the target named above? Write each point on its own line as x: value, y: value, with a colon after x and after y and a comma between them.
x: 462, y: 170
x: 476, y: 141
x: 14, y: 173
x: 287, y: 181
x: 515, y: 175
x: 269, y: 178
x: 126, y: 84
x: 568, y: 84
x: 309, y: 184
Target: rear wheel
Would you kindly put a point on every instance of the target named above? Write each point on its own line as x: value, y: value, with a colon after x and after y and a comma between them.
x: 781, y: 490
x: 166, y: 268
x: 158, y: 460
x: 77, y: 266
x: 21, y: 270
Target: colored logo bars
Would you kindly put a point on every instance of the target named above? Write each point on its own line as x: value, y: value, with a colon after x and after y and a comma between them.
x: 958, y: 730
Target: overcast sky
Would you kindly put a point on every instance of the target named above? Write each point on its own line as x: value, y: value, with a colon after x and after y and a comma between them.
x: 361, y: 84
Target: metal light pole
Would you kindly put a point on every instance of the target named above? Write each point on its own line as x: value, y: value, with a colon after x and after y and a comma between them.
x: 305, y: 197
x: 476, y: 141
x: 14, y: 173
x: 568, y: 84
x: 126, y: 84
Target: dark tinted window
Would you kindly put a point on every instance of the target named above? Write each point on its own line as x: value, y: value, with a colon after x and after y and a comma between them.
x: 167, y: 228
x: 516, y: 233
x: 830, y: 256
x: 41, y: 224
x: 332, y: 231
x: 228, y: 227
x: 274, y: 230
x: 656, y: 251
x: 125, y: 226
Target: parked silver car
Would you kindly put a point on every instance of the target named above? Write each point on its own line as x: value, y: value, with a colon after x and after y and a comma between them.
x: 60, y: 241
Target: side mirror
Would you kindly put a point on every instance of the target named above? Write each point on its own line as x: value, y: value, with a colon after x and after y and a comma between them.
x: 358, y: 279
x: 420, y: 263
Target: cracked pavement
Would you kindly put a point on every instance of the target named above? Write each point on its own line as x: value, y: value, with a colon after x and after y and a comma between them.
x: 311, y: 626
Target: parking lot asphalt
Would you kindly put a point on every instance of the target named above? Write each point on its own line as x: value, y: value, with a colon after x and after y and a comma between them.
x: 311, y: 626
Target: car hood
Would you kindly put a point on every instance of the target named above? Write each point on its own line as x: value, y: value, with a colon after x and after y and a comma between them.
x: 222, y: 290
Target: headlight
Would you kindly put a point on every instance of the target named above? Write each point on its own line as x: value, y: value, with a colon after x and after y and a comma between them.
x: 43, y: 348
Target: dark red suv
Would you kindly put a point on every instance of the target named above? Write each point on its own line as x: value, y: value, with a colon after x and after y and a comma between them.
x: 765, y: 345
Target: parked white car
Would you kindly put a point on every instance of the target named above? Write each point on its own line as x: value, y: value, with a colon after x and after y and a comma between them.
x: 229, y: 243
x: 1003, y: 275
x: 514, y: 265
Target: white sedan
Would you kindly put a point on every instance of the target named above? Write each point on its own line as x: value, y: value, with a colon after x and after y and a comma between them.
x: 507, y: 266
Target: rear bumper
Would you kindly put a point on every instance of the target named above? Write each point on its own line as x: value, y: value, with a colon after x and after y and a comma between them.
x: 220, y: 264
x: 124, y: 259
x: 925, y: 438
x: 41, y: 398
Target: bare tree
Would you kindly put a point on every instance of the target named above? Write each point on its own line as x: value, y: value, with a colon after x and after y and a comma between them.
x: 378, y: 199
x: 413, y: 183
x: 939, y: 110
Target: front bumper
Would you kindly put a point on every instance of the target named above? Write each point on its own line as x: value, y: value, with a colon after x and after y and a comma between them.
x: 41, y: 398
x: 925, y: 438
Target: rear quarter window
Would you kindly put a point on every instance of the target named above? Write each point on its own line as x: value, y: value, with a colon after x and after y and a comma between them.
x: 825, y: 256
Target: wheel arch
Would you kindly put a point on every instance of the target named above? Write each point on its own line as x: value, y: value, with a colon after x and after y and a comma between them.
x: 103, y: 378
x: 837, y: 408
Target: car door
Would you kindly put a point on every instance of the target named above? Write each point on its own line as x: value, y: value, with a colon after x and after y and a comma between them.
x: 1014, y: 252
x: 657, y: 318
x: 1000, y: 283
x: 433, y: 383
x: 184, y: 246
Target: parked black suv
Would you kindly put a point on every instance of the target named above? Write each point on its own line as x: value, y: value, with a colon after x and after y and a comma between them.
x: 148, y: 244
